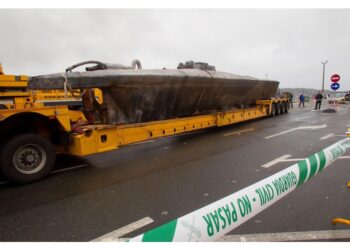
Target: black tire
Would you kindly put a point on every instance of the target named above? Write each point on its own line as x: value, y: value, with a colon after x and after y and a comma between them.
x: 277, y: 108
x: 286, y: 107
x: 273, y: 109
x: 280, y: 104
x: 27, y: 158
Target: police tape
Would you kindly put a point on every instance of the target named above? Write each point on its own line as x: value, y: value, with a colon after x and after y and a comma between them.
x: 217, y: 219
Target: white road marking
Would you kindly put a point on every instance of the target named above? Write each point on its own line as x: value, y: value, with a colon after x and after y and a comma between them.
x: 327, y: 136
x: 281, y: 133
x: 302, y: 117
x: 331, y: 135
x: 275, y: 161
x: 142, y: 142
x: 298, y: 128
x: 284, y: 158
x: 115, y: 235
x: 239, y: 132
x: 290, y: 236
x: 67, y: 169
x: 300, y: 159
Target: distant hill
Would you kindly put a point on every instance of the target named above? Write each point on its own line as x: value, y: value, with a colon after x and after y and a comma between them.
x: 304, y: 91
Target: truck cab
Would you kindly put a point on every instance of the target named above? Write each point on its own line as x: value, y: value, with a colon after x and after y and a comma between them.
x: 34, y: 126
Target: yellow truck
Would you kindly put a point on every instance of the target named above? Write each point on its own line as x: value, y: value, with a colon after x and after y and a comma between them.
x: 32, y: 133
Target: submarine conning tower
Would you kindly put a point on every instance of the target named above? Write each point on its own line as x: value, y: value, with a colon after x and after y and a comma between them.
x: 196, y: 65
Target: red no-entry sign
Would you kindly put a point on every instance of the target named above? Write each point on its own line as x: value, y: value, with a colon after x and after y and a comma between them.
x: 335, y: 78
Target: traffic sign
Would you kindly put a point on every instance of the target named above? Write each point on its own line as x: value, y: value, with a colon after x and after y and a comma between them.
x: 335, y: 78
x: 335, y: 86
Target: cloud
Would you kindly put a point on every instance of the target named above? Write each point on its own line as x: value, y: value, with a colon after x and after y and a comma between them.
x: 285, y: 45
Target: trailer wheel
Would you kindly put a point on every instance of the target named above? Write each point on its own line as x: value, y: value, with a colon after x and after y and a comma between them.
x: 277, y: 108
x: 273, y: 110
x: 281, y: 108
x: 286, y: 107
x: 27, y: 158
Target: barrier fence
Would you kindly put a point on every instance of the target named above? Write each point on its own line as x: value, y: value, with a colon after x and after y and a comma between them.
x: 213, y: 221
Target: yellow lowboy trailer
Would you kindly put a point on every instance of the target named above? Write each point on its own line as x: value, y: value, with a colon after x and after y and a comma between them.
x: 102, y: 138
x: 32, y: 133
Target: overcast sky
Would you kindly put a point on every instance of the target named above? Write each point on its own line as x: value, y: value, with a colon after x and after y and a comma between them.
x: 283, y: 45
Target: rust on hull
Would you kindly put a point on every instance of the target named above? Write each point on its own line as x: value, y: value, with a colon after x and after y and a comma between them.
x: 134, y: 96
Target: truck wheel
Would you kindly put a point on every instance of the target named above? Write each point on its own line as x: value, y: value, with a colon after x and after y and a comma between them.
x: 27, y: 158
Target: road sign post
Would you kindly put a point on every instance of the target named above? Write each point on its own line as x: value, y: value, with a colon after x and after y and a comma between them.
x: 324, y: 68
x: 335, y: 86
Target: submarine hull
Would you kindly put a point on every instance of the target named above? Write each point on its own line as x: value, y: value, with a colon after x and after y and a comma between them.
x: 134, y: 96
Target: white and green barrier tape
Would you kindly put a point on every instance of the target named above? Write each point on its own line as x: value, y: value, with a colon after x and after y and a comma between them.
x: 217, y: 219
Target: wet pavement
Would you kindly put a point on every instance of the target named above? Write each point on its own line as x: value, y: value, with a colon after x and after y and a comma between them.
x: 170, y: 177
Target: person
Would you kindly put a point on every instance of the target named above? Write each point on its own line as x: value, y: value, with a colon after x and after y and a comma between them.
x: 318, y: 98
x: 301, y: 99
x: 290, y: 100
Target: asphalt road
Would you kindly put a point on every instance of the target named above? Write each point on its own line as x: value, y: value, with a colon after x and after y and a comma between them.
x: 170, y: 177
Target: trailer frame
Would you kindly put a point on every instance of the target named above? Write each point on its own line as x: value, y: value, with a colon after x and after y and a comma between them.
x: 103, y: 138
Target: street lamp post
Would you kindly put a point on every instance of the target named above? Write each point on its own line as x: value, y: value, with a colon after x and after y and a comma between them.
x: 324, y: 67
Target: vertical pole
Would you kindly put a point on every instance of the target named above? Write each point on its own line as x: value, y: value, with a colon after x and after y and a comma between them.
x: 324, y: 67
